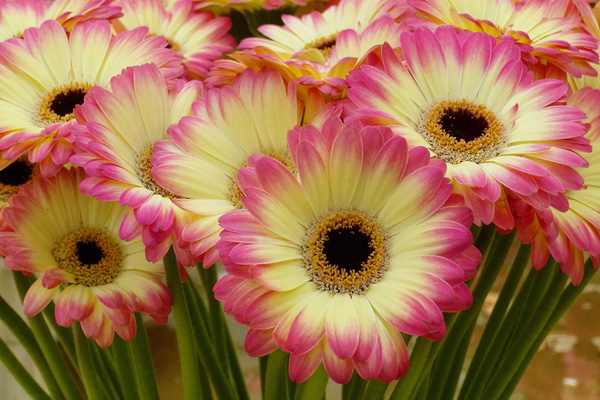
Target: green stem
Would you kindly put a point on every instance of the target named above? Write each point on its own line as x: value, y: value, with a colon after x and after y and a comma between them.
x: 454, y: 347
x: 125, y: 369
x: 211, y: 364
x: 314, y: 387
x: 375, y: 390
x: 262, y: 369
x: 86, y: 363
x: 529, y: 330
x: 106, y: 372
x: 24, y: 335
x: 64, y: 334
x: 185, y: 331
x: 21, y: 375
x: 277, y: 371
x: 50, y: 349
x: 492, y: 340
x: 209, y: 278
x: 568, y: 297
x: 142, y: 362
x: 418, y: 360
x: 354, y: 389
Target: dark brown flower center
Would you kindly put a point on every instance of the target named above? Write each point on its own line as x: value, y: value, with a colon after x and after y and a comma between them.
x: 15, y: 175
x: 345, y: 252
x: 59, y: 104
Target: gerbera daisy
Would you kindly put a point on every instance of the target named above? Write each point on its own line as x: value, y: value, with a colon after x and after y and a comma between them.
x: 228, y: 125
x: 369, y: 243
x: 196, y: 35
x: 472, y: 103
x: 536, y: 26
x: 71, y: 241
x: 567, y: 235
x: 115, y: 144
x: 318, y: 49
x: 46, y: 74
x: 17, y: 16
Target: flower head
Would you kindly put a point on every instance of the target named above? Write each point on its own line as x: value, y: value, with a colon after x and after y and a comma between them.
x: 544, y: 30
x: 47, y: 74
x: 500, y: 132
x: 115, y: 144
x: 209, y: 147
x: 71, y: 241
x: 17, y: 16
x: 332, y: 266
x: 197, y: 36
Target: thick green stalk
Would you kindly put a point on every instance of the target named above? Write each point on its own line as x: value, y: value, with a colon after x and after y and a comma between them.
x: 211, y: 363
x: 21, y: 375
x: 125, y: 369
x: 142, y: 362
x: 276, y: 376
x: 314, y: 387
x: 185, y: 331
x: 498, y: 327
x: 450, y: 347
x: 568, y: 297
x: 50, y: 349
x: 209, y: 278
x: 354, y: 389
x: 106, y: 372
x: 87, y: 365
x: 24, y: 335
x: 528, y: 333
x: 418, y: 360
x: 375, y: 390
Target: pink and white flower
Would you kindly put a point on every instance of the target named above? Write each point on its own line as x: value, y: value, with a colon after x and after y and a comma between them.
x: 45, y: 75
x: 70, y: 241
x: 115, y: 144
x: 498, y: 133
x: 197, y: 36
x: 333, y: 266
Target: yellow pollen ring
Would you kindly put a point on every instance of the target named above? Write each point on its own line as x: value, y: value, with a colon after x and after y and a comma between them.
x: 145, y: 175
x: 332, y: 278
x: 488, y: 144
x: 103, y: 272
x: 26, y: 171
x: 46, y: 115
x: 325, y: 44
x: 235, y: 192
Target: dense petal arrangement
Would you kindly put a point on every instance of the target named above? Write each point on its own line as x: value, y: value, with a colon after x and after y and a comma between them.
x: 71, y: 241
x: 198, y: 37
x: 47, y: 74
x: 332, y: 266
x: 116, y: 145
x: 19, y: 15
x: 567, y: 235
x: 318, y: 49
x: 228, y: 125
x: 497, y: 133
x: 546, y: 31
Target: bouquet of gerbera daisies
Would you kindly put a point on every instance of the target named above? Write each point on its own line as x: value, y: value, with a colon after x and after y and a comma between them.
x: 347, y: 179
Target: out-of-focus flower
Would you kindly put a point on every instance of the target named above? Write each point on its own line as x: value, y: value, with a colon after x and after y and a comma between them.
x: 115, y: 144
x: 543, y: 29
x: 318, y: 49
x: 17, y: 16
x: 497, y: 132
x: 47, y: 74
x: 332, y: 266
x: 228, y: 125
x: 70, y: 240
x: 197, y: 36
x: 225, y: 6
x: 567, y: 235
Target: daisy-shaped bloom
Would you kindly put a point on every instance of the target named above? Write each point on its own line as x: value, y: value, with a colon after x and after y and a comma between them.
x: 46, y: 74
x: 196, y: 35
x: 228, y: 125
x: 543, y: 33
x: 567, y: 235
x: 17, y: 16
x: 318, y: 49
x: 498, y: 132
x: 115, y: 143
x: 71, y: 241
x: 370, y: 243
